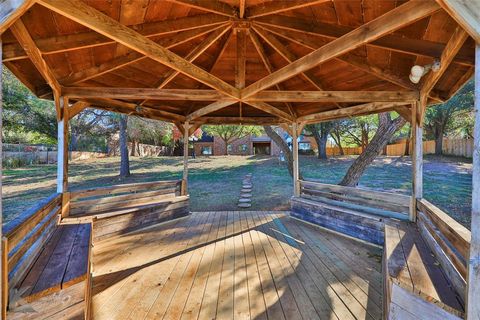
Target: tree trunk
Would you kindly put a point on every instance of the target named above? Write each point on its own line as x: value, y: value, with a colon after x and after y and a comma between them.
x: 276, y: 138
x: 132, y: 152
x: 321, y: 140
x: 338, y: 142
x: 407, y: 142
x: 225, y: 150
x: 385, y: 131
x: 124, y: 162
x: 73, y: 141
x: 438, y: 141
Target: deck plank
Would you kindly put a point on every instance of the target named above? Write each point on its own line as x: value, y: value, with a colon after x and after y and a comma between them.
x: 225, y: 265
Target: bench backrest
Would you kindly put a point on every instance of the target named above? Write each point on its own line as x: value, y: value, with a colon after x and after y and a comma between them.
x: 448, y: 239
x: 23, y: 238
x: 104, y: 199
x: 387, y: 201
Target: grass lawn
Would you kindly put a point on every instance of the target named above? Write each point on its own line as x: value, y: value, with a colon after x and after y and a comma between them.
x: 215, y: 182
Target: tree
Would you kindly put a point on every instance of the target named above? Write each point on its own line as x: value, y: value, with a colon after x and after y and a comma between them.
x: 89, y: 123
x: 385, y: 131
x: 124, y: 161
x: 282, y: 144
x: 321, y: 131
x: 357, y: 131
x: 231, y: 133
x: 442, y: 119
x: 338, y: 130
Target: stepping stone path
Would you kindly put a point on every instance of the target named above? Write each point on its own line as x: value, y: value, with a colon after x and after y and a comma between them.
x: 246, y: 193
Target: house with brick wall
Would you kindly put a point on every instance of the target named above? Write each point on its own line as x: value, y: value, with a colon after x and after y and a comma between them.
x: 248, y: 145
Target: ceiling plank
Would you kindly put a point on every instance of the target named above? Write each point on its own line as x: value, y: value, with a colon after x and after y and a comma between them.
x: 82, y: 13
x: 90, y: 39
x: 372, y: 107
x: 143, y: 93
x: 217, y: 105
x: 11, y: 10
x: 392, y: 42
x: 334, y: 96
x: 393, y: 20
x: 241, y: 8
x: 217, y: 7
x: 453, y: 46
x: 260, y: 105
x: 466, y: 13
x: 278, y: 6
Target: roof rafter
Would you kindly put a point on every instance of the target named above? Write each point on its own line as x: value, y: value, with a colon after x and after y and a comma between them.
x: 217, y: 7
x: 133, y: 57
x: 387, y: 23
x: 82, y: 13
x: 261, y: 105
x: 11, y: 10
x: 390, y: 41
x: 217, y: 105
x: 90, y: 39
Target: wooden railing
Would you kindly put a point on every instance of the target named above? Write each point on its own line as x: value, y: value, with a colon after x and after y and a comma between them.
x: 448, y: 239
x: 375, y: 202
x: 23, y: 238
x: 103, y: 199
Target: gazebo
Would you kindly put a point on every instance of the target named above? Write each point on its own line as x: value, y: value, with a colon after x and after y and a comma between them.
x: 135, y: 251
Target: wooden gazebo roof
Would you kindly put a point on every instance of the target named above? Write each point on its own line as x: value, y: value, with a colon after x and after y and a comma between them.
x: 237, y: 61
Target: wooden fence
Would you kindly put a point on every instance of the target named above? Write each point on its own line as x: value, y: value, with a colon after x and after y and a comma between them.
x: 454, y: 147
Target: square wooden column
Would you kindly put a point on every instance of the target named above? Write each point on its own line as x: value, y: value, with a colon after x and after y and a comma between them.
x: 62, y: 146
x: 473, y: 275
x: 3, y: 260
x: 296, y: 182
x: 417, y: 157
x: 186, y: 128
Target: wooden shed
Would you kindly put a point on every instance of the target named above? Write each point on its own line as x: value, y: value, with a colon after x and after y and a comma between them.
x: 262, y: 62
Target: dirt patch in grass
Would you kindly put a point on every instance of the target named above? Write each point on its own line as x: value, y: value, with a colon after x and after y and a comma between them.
x: 215, y: 182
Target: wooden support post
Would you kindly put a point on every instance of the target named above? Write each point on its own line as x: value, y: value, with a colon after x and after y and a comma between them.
x: 417, y: 158
x: 186, y: 128
x: 473, y: 276
x: 62, y: 146
x: 296, y: 182
x: 3, y: 260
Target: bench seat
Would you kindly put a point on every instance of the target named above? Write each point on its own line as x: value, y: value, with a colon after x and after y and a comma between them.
x: 413, y: 277
x: 63, y: 262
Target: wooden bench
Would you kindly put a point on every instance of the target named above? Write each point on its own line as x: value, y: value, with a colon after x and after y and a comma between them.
x: 123, y: 208
x: 355, y: 212
x: 415, y: 284
x: 42, y: 258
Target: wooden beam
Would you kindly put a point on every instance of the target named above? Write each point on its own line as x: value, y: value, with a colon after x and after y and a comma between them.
x: 334, y: 96
x: 21, y: 34
x: 451, y: 49
x: 278, y: 6
x: 76, y: 108
x: 194, y: 127
x: 296, y: 173
x: 241, y: 121
x: 241, y: 9
x: 366, y: 108
x: 62, y: 147
x: 473, y: 278
x: 180, y: 127
x: 417, y: 160
x: 186, y: 130
x: 217, y: 105
x: 404, y: 112
x: 260, y: 105
x: 389, y: 22
x: 91, y: 39
x: 241, y: 58
x: 133, y: 57
x: 318, y: 31
x: 11, y: 10
x: 217, y: 7
x: 143, y: 93
x: 287, y: 128
x: 82, y: 13
x: 466, y: 13
x: 4, y: 246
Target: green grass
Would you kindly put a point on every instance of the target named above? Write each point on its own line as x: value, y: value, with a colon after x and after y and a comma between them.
x: 215, y: 182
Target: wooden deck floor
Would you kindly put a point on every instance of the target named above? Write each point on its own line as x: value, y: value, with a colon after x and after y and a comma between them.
x: 242, y: 265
